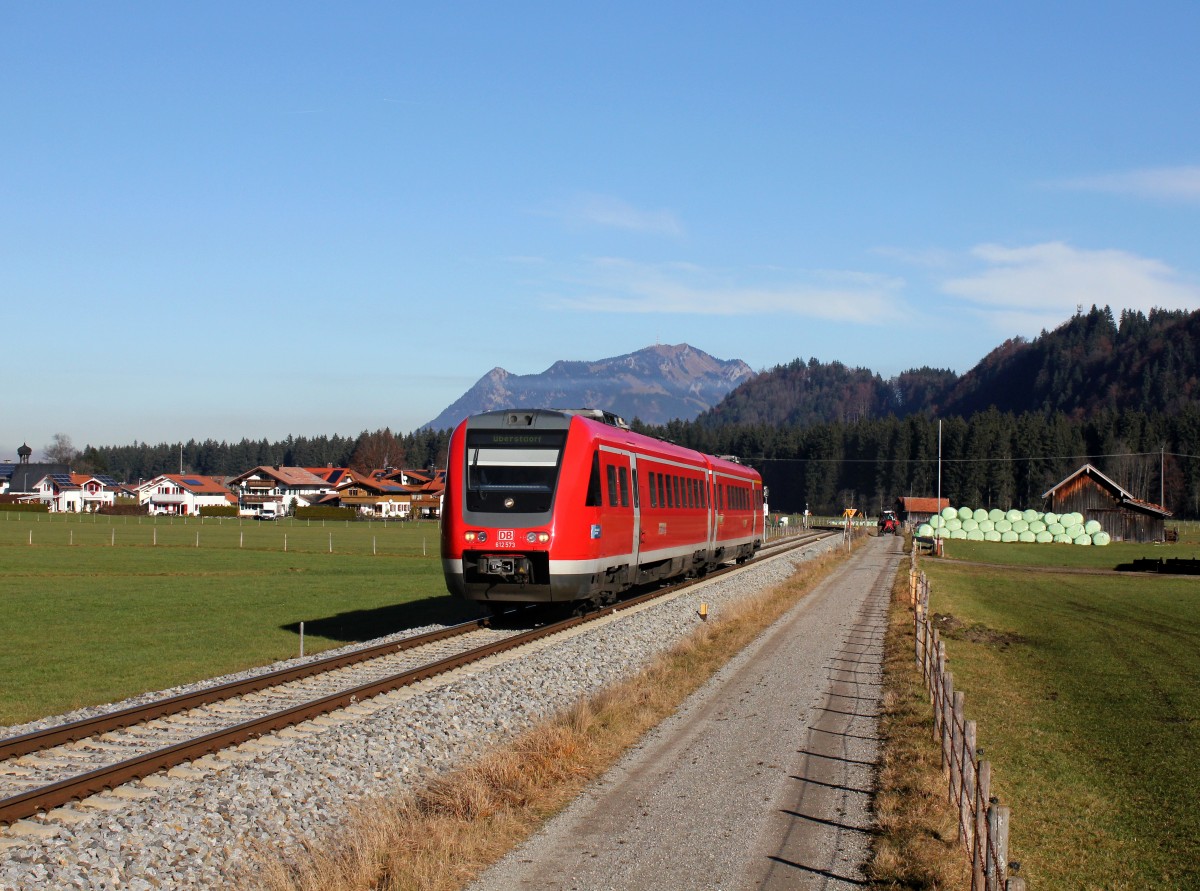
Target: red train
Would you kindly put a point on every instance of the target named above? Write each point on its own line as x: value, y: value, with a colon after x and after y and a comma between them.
x: 571, y: 505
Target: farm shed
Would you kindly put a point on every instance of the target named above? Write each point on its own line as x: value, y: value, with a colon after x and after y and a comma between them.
x: 919, y: 510
x: 1089, y: 492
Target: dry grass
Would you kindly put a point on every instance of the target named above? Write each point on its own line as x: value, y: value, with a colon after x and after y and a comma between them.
x: 442, y: 836
x: 916, y: 845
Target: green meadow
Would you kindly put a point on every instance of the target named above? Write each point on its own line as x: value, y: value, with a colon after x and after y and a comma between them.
x: 1086, y: 689
x: 96, y: 608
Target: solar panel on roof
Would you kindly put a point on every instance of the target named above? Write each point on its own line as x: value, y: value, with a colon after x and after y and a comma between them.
x: 107, y: 480
x: 192, y: 481
x: 64, y: 478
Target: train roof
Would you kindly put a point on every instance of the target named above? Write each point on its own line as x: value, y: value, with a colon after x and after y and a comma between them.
x: 602, y: 424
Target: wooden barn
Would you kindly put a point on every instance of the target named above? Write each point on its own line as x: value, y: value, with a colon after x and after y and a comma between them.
x: 918, y: 510
x: 1089, y: 492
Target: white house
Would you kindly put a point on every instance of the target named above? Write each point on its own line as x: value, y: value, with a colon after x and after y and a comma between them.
x: 76, y: 492
x: 277, y: 490
x: 183, y: 494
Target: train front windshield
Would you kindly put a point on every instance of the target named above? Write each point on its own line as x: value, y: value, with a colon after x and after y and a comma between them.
x: 512, y: 472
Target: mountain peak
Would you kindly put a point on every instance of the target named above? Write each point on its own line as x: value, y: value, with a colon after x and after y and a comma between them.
x: 656, y: 385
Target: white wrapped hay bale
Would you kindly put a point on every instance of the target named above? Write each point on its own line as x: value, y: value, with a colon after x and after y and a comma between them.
x: 1027, y: 537
x: 991, y: 535
x: 924, y: 530
x: 995, y: 514
x: 1029, y: 515
x: 1013, y: 515
x: 1100, y: 539
x: 1009, y: 536
x: 1055, y: 528
x: 1020, y: 526
x: 1043, y: 537
x: 960, y: 535
x: 986, y: 526
x: 1062, y: 538
x: 975, y: 534
x: 965, y: 513
x: 1091, y: 527
x: 970, y: 525
x: 1083, y: 539
x: 948, y: 512
x: 1050, y: 519
x: 1003, y: 526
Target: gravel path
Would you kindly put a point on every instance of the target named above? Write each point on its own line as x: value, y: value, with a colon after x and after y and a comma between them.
x: 762, y: 779
x: 194, y: 826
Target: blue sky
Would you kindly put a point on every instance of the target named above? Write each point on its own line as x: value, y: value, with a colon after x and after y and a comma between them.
x: 226, y: 220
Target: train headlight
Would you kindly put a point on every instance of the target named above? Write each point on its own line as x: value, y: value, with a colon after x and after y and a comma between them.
x: 540, y: 537
x: 509, y: 503
x: 475, y: 536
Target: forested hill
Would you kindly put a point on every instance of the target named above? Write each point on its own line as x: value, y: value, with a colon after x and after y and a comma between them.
x: 1090, y: 363
x: 801, y: 394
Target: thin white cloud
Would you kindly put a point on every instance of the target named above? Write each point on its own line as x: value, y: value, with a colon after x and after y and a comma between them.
x: 931, y: 258
x: 607, y: 211
x: 1042, y: 284
x: 1158, y: 183
x: 612, y: 285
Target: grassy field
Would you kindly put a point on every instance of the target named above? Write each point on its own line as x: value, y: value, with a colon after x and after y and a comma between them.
x: 1086, y: 688
x: 100, y: 608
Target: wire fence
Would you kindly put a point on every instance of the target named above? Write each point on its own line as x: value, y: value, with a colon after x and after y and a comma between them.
x: 983, y: 823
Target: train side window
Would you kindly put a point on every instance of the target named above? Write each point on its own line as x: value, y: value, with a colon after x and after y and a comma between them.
x: 612, y: 485
x: 675, y: 487
x: 650, y: 478
x: 670, y: 493
x: 662, y: 498
x: 704, y: 493
x: 593, y: 489
x: 624, y: 475
x: 692, y: 499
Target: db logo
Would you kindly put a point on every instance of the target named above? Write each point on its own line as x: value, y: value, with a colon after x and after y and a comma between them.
x: 504, y: 535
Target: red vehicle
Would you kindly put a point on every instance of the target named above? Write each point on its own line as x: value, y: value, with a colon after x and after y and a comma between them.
x: 571, y: 505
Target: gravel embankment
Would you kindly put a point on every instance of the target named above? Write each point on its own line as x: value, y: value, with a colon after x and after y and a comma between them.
x: 193, y: 827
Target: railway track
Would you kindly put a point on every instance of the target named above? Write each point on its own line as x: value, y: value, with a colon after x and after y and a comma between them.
x: 49, y: 768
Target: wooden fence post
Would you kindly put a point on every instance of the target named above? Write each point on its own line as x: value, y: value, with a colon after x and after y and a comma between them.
x: 956, y: 744
x: 947, y: 709
x: 979, y: 850
x: 966, y: 801
x: 996, y: 867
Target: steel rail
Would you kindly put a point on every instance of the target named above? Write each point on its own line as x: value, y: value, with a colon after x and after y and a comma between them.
x: 62, y: 792
x: 15, y: 746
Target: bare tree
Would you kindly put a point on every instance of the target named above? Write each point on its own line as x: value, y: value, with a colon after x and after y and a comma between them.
x: 60, y: 450
x: 377, y: 451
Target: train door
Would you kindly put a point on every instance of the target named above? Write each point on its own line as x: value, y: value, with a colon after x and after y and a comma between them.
x: 637, y: 514
x: 620, y: 504
x: 710, y: 480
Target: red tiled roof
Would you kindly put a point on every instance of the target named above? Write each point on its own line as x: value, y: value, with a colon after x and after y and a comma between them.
x: 912, y: 505
x: 198, y: 485
x: 289, y: 476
